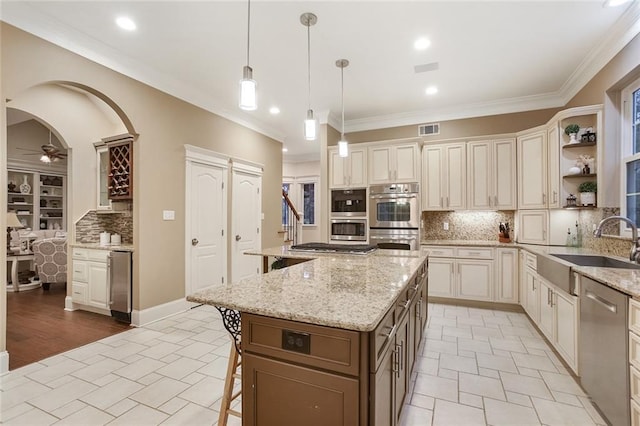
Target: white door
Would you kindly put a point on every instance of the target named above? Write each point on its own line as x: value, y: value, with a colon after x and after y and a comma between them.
x: 246, y: 214
x: 206, y: 228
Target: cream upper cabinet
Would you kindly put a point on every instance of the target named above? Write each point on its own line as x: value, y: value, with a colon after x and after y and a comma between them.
x: 532, y: 170
x: 393, y: 164
x: 444, y: 176
x: 553, y: 166
x: 350, y: 171
x: 533, y: 226
x: 491, y: 175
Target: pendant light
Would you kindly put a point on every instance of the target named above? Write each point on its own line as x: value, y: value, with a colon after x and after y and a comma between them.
x: 248, y: 85
x: 343, y: 145
x: 310, y: 125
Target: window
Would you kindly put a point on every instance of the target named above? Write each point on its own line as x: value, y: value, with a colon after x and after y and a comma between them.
x: 285, y: 215
x: 309, y: 203
x: 631, y: 151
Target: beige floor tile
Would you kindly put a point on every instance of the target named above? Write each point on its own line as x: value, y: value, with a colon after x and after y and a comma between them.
x: 121, y: 407
x: 161, y: 350
x: 448, y: 413
x: 192, y: 414
x: 56, y: 371
x: 437, y: 387
x: 456, y: 332
x: 459, y: 363
x: 427, y: 365
x: 486, y: 331
x: 525, y: 385
x: 112, y: 393
x: 448, y: 374
x: 63, y: 395
x: 554, y: 413
x: 422, y: 401
x: 518, y: 398
x: 504, y: 413
x: 173, y: 405
x: 481, y: 386
x: 205, y: 392
x: 180, y: 368
x: 495, y: 362
x: 68, y: 409
x: 140, y: 368
x: 159, y: 392
x: 15, y: 411
x: 561, y: 383
x: 32, y: 417
x: 415, y: 416
x: 474, y: 346
x: 510, y: 345
x: 19, y: 394
x: 98, y: 370
x: 535, y: 362
x: 140, y: 415
x: 471, y: 400
x: 441, y: 347
x: 487, y: 372
x: 88, y: 416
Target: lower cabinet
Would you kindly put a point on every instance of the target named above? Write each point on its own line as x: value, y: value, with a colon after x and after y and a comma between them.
x: 474, y: 273
x: 554, y: 311
x: 89, y: 285
x: 285, y: 394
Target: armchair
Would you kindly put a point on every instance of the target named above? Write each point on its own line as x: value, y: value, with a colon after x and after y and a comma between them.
x: 50, y: 261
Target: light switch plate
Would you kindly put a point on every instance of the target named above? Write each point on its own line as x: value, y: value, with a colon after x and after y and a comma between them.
x: 168, y: 215
x: 445, y: 226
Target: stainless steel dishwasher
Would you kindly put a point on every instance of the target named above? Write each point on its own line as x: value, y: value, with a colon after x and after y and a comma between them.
x: 604, y: 368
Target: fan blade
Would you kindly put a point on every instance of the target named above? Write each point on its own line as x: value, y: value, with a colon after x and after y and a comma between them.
x: 27, y: 149
x: 50, y: 149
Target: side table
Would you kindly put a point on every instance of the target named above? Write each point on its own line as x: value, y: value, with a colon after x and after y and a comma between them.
x: 16, y: 258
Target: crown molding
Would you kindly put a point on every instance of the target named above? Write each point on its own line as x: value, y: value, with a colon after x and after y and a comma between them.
x: 29, y: 19
x: 623, y: 31
x: 455, y: 112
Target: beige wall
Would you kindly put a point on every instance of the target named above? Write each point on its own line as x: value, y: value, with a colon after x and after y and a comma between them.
x: 467, y: 127
x: 164, y: 125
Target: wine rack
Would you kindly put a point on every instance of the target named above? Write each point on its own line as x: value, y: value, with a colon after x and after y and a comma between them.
x: 120, y: 183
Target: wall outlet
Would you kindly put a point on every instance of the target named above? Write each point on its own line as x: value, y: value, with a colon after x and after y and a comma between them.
x: 445, y: 226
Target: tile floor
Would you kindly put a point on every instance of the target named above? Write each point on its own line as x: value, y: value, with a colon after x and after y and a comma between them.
x: 478, y: 367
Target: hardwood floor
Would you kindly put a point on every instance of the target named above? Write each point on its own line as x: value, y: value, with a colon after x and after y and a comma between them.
x: 39, y: 327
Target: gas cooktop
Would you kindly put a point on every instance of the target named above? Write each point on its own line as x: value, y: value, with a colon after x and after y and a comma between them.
x: 334, y: 248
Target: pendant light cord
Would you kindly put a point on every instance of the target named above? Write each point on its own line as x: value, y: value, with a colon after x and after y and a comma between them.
x: 309, y: 62
x: 248, y: 28
x: 342, y: 97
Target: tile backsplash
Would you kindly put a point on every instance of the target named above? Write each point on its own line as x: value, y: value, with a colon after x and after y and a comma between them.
x: 89, y: 227
x: 483, y: 226
x: 466, y: 225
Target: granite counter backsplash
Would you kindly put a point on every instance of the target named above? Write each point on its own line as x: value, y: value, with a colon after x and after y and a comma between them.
x: 466, y: 225
x: 89, y: 227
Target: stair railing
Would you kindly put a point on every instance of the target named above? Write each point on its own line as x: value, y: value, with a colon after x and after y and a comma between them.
x: 291, y: 220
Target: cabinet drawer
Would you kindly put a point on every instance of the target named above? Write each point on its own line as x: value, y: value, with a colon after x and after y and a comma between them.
x: 381, y: 337
x: 328, y: 348
x: 79, y: 293
x: 531, y: 260
x: 98, y: 255
x: 634, y: 316
x: 80, y: 253
x: 441, y: 251
x: 634, y: 378
x: 635, y: 413
x: 475, y: 253
x: 80, y: 271
x: 634, y: 350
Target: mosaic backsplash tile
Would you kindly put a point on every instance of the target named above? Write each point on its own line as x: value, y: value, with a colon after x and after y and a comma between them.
x: 467, y: 225
x: 89, y: 227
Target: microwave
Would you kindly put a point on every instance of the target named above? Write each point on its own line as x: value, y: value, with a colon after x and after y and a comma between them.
x: 349, y: 229
x: 349, y: 202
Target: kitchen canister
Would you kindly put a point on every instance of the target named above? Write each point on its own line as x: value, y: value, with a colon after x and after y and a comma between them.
x: 116, y: 239
x: 105, y: 238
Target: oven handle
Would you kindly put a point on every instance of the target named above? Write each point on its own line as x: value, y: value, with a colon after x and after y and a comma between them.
x: 393, y: 196
x: 394, y: 237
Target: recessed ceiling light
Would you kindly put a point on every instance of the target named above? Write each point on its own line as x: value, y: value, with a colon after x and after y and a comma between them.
x: 285, y: 150
x: 274, y: 110
x: 431, y: 90
x: 614, y: 3
x: 422, y: 43
x: 126, y: 23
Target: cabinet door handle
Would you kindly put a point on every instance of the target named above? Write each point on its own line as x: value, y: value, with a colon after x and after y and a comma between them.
x: 496, y: 201
x: 489, y: 198
x: 555, y: 196
x: 552, y: 294
x: 548, y: 296
x: 544, y: 198
x: 447, y: 201
x: 442, y: 201
x: 395, y: 363
x: 391, y: 333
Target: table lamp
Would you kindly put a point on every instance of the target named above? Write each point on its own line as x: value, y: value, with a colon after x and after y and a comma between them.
x: 12, y: 222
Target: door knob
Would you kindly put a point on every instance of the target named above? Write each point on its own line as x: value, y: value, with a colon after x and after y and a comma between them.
x: 238, y: 238
x: 194, y: 241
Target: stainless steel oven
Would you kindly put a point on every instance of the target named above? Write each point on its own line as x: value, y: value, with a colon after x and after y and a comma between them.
x: 349, y: 229
x: 394, y: 206
x: 349, y: 202
x: 408, y: 239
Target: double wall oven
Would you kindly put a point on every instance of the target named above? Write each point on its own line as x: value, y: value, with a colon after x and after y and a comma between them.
x: 394, y: 215
x: 348, y: 214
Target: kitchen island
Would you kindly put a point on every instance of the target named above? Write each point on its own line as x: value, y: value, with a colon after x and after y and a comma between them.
x: 331, y: 340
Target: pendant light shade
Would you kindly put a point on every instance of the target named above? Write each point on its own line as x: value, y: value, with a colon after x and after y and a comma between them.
x: 343, y: 145
x: 310, y: 125
x: 248, y: 96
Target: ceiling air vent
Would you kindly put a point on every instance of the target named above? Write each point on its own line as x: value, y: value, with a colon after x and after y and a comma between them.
x: 429, y: 129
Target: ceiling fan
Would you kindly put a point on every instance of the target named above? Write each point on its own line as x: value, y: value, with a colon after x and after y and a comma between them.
x: 50, y: 153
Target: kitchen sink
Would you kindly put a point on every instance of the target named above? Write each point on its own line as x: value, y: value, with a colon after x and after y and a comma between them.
x: 599, y: 261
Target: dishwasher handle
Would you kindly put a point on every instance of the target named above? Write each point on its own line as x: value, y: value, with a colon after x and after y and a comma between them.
x: 603, y: 302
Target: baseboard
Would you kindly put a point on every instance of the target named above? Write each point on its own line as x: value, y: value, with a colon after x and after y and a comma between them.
x: 512, y: 307
x: 4, y: 362
x: 146, y: 316
x: 68, y: 304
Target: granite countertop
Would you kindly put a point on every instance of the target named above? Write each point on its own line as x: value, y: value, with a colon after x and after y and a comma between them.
x: 98, y: 246
x: 624, y: 280
x: 285, y: 251
x: 472, y: 243
x: 345, y: 291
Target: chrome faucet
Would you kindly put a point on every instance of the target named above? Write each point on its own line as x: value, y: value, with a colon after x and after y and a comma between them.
x: 635, y: 249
